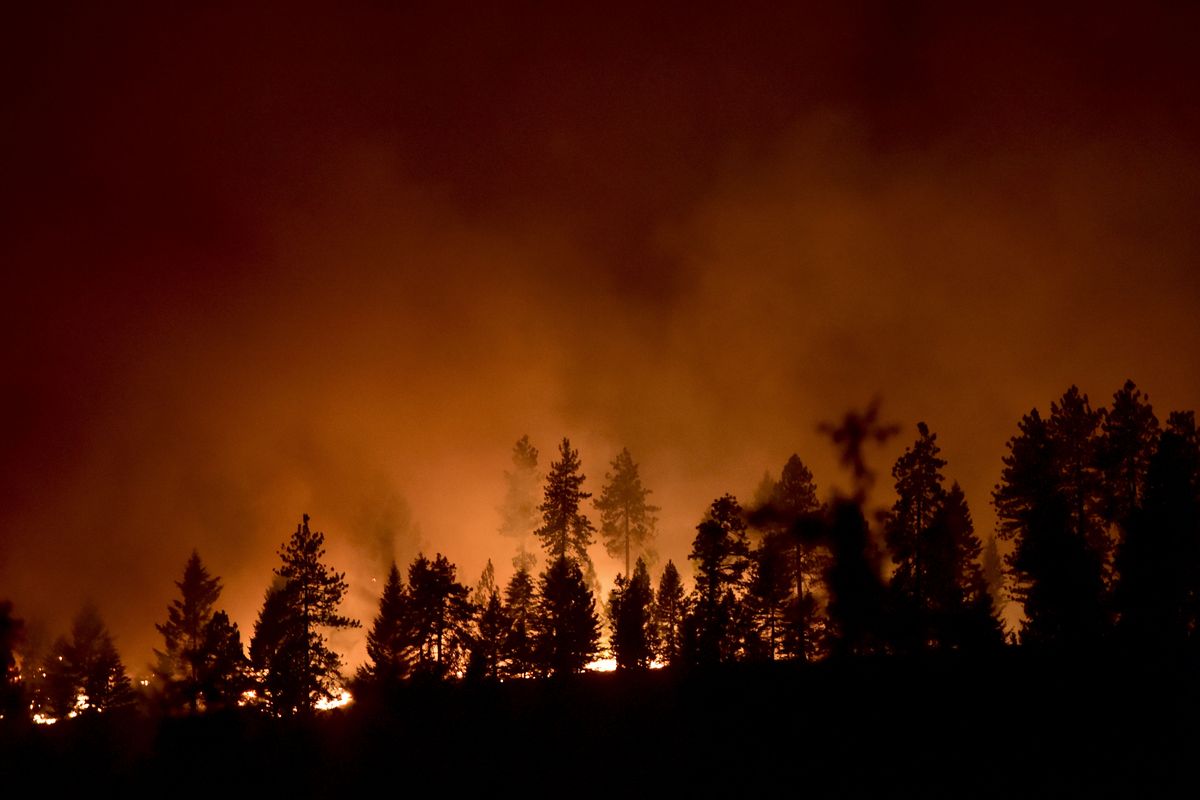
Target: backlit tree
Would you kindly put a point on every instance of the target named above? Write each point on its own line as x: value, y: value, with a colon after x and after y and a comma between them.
x: 301, y: 668
x: 627, y: 520
x: 83, y: 674
x: 565, y: 531
x: 519, y: 515
x: 566, y: 627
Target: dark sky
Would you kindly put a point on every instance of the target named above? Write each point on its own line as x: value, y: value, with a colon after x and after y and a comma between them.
x: 260, y: 262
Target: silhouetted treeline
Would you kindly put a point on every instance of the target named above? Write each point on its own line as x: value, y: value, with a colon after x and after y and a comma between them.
x: 1098, y: 511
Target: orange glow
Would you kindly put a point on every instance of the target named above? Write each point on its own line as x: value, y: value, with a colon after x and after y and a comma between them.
x: 241, y: 297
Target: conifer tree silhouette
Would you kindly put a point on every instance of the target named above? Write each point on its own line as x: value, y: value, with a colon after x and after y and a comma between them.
x: 721, y: 551
x: 565, y: 531
x: 519, y: 515
x: 389, y: 641
x: 670, y: 612
x: 202, y: 663
x: 83, y: 674
x: 440, y: 616
x: 627, y: 520
x: 520, y: 608
x: 300, y: 667
x: 1047, y: 504
x: 566, y: 627
x: 630, y: 616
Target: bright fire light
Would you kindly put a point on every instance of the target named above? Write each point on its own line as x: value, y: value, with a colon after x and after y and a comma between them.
x: 81, y: 704
x: 339, y: 700
x: 610, y: 665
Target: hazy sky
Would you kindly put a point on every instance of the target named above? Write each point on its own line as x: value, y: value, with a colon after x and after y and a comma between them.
x: 262, y: 262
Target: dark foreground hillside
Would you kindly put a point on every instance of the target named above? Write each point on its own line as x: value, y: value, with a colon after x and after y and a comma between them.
x: 1015, y: 727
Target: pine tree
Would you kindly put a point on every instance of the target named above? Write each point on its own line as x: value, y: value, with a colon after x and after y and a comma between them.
x: 1127, y: 441
x: 185, y: 662
x: 630, y: 616
x: 670, y: 611
x: 1073, y: 427
x: 519, y: 515
x: 796, y: 512
x: 520, y: 601
x: 83, y: 674
x: 488, y: 641
x: 274, y: 648
x: 224, y: 673
x: 958, y: 603
x: 1158, y: 595
x: 1045, y: 504
x: 301, y: 668
x: 488, y: 627
x: 795, y: 499
x: 722, y: 555
x: 485, y: 587
x: 919, y: 496
x: 768, y: 594
x: 565, y: 532
x: 388, y: 642
x: 440, y: 614
x: 566, y: 628
x: 627, y: 521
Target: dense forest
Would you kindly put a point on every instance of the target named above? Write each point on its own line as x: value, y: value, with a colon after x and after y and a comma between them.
x: 816, y: 631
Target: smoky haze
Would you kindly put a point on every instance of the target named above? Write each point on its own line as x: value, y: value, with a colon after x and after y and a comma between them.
x: 266, y: 263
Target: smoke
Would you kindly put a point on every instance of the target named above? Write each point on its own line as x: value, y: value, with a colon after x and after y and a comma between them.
x: 339, y: 273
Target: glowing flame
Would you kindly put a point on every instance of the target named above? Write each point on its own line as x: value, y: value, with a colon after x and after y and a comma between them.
x: 81, y: 704
x: 610, y: 665
x: 249, y: 697
x: 339, y: 700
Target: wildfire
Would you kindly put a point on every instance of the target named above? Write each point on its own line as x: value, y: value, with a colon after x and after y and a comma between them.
x: 610, y: 665
x: 81, y: 704
x: 340, y: 699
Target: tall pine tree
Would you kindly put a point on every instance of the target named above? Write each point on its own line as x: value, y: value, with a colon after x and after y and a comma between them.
x: 389, y: 650
x: 919, y: 497
x: 627, y: 520
x: 1046, y: 505
x: 958, y: 605
x: 202, y: 661
x: 83, y: 674
x: 300, y: 667
x: 566, y: 627
x: 440, y: 614
x: 721, y: 551
x: 520, y: 608
x: 630, y: 609
x: 565, y: 531
x: 1127, y: 442
x: 670, y: 612
x: 519, y: 515
x: 1158, y: 596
